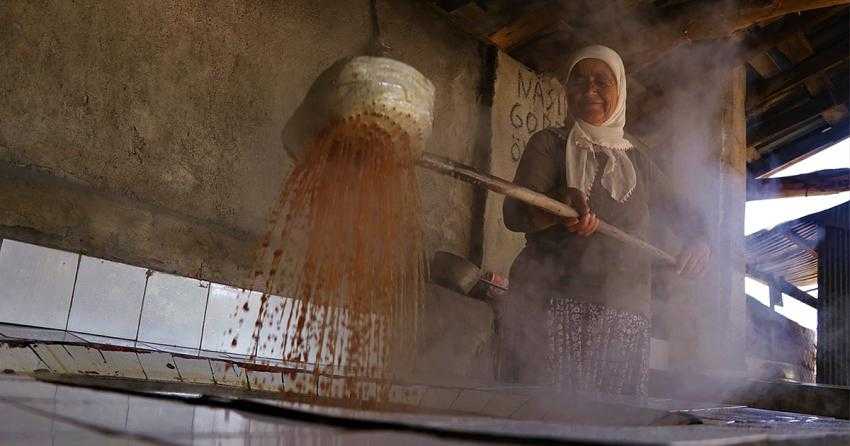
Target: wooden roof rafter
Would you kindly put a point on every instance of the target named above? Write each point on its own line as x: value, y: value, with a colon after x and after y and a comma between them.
x: 813, y: 66
x: 644, y: 30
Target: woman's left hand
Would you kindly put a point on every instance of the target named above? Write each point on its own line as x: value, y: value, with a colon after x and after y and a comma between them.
x: 693, y: 260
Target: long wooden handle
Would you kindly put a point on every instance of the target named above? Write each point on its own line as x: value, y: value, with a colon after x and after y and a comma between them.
x: 466, y: 173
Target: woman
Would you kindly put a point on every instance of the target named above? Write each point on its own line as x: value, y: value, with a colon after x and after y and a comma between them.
x: 580, y: 303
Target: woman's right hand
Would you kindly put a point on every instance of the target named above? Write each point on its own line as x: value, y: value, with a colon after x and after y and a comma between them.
x: 586, y: 223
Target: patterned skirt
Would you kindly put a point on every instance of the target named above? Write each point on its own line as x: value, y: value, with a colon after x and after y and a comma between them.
x: 586, y: 347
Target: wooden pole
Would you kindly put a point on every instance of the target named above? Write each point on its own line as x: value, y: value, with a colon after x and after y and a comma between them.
x: 468, y: 174
x: 823, y: 182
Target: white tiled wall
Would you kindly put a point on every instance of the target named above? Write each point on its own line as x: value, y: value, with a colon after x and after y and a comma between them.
x: 113, y: 303
x: 107, y: 299
x: 173, y: 310
x: 35, y: 284
x: 224, y: 313
x: 274, y: 330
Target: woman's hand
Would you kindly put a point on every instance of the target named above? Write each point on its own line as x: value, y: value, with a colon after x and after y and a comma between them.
x: 587, y: 223
x: 693, y: 260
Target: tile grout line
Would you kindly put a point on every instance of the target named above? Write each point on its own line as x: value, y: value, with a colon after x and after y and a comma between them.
x: 148, y: 275
x: 142, y: 366
x: 55, y: 403
x: 127, y: 414
x: 73, y: 290
x: 192, y: 434
x: 212, y: 372
x: 204, y: 320
x: 176, y: 367
x: 43, y: 362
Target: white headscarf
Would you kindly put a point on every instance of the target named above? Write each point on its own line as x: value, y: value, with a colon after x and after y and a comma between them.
x: 618, y: 174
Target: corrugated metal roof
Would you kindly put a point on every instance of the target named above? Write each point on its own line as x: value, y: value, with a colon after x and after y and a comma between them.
x: 789, y: 250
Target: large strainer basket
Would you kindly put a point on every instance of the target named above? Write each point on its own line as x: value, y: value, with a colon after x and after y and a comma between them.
x: 364, y: 86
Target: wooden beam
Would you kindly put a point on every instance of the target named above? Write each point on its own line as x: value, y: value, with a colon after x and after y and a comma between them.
x: 775, y: 295
x: 732, y: 52
x: 641, y: 35
x: 783, y: 286
x: 799, y: 150
x: 797, y: 293
x: 764, y: 65
x: 669, y: 3
x: 835, y: 114
x: 712, y: 20
x: 751, y: 13
x: 824, y: 182
x: 812, y: 66
x: 787, y: 119
x: 470, y: 18
x: 451, y: 5
x: 814, y: 19
x: 796, y: 47
x: 536, y: 20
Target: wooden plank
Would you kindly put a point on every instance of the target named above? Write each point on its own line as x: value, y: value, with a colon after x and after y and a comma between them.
x: 791, y: 99
x: 799, y: 150
x: 812, y: 66
x: 451, y: 5
x: 792, y: 135
x: 796, y: 48
x: 835, y: 114
x: 708, y: 21
x: 474, y: 20
x: 669, y: 3
x: 764, y: 65
x: 815, y: 19
x: 813, y: 108
x: 537, y: 20
x: 750, y: 13
x: 469, y: 18
x: 548, y: 51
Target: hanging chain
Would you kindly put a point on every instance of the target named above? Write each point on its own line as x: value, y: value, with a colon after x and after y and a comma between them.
x: 377, y: 47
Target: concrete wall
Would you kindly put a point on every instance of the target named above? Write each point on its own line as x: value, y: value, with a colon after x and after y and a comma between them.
x: 150, y: 134
x: 524, y: 102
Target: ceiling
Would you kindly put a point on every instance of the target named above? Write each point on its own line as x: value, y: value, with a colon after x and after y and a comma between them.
x: 795, y: 52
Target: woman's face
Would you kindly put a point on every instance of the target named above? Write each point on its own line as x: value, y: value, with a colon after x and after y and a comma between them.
x: 592, y: 91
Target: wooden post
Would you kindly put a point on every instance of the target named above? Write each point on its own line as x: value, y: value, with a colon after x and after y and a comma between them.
x: 833, y: 354
x: 775, y: 295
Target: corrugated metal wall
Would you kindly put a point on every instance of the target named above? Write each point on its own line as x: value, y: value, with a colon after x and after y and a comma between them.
x: 833, y: 350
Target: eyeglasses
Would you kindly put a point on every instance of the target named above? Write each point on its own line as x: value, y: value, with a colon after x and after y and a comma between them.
x: 581, y: 83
